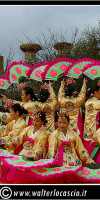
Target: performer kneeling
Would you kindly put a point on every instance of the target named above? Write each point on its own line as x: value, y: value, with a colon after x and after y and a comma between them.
x: 33, y: 138
x: 13, y: 128
x: 65, y: 144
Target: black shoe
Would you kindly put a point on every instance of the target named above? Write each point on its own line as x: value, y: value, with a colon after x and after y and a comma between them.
x: 93, y: 166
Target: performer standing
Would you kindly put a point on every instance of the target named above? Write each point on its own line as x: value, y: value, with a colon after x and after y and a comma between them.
x: 72, y: 104
x: 48, y: 104
x: 64, y: 144
x: 92, y: 118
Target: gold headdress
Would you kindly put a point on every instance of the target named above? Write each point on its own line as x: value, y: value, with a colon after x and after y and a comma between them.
x: 70, y: 81
x: 37, y: 113
x: 62, y: 113
x: 45, y: 86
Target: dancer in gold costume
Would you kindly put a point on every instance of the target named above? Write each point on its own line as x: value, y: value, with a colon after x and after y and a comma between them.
x: 72, y: 104
x: 64, y: 143
x: 33, y: 138
x: 28, y: 102
x: 92, y: 121
x: 13, y: 128
x: 48, y: 104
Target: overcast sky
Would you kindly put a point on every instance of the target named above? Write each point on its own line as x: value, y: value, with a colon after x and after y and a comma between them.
x: 17, y: 21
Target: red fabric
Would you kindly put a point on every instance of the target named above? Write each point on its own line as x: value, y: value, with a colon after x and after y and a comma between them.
x: 30, y: 122
x: 16, y: 175
x: 18, y: 150
x: 47, y: 145
x: 91, y: 146
x: 97, y: 118
x: 4, y: 172
x: 97, y: 156
x: 30, y: 140
x: 80, y: 125
x: 56, y: 125
x: 60, y: 152
x: 85, y: 178
x: 87, y: 145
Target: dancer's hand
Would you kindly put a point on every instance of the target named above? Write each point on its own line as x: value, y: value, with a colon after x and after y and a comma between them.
x: 6, y: 146
x: 4, y: 98
x: 85, y: 81
x: 93, y: 162
x: 62, y: 82
x: 49, y: 84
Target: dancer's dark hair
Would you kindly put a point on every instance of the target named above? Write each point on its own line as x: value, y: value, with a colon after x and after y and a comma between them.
x: 16, y: 107
x: 43, y: 117
x: 44, y: 94
x: 69, y: 89
x: 22, y: 79
x: 29, y: 90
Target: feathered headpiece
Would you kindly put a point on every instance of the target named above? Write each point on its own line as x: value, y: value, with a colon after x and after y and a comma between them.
x: 90, y: 91
x: 21, y: 86
x: 9, y: 103
x: 37, y: 113
x: 70, y: 81
x: 98, y: 83
x: 45, y: 86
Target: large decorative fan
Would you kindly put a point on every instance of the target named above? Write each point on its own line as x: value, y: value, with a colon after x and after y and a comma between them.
x: 55, y: 68
x: 75, y: 70
x: 92, y: 70
x: 4, y: 83
x: 38, y: 70
x: 17, y: 69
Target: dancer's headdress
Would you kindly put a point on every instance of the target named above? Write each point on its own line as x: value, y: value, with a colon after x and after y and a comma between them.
x: 37, y: 113
x: 70, y: 81
x: 45, y: 86
x: 62, y: 113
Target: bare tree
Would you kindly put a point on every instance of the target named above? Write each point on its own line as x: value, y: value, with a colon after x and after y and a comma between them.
x: 47, y: 41
x: 8, y: 58
x: 88, y: 45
